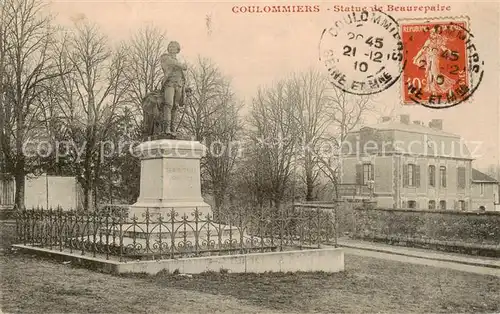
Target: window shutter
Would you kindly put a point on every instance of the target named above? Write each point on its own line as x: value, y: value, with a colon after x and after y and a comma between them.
x: 417, y: 176
x: 373, y: 172
x: 405, y: 176
x: 432, y: 175
x: 443, y: 177
x: 359, y: 174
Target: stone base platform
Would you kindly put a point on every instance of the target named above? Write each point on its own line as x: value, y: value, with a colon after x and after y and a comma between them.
x: 326, y: 259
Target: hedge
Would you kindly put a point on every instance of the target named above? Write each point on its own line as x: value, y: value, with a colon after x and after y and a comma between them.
x: 467, y: 232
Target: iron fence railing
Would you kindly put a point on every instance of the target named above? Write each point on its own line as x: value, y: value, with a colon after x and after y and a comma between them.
x: 110, y: 232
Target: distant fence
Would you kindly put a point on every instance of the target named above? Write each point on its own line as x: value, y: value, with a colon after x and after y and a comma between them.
x: 110, y: 232
x: 467, y: 232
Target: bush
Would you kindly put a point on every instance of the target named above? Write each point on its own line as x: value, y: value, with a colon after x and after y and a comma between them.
x: 472, y: 229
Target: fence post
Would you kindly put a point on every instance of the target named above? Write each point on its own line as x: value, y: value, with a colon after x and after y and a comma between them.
x: 271, y: 222
x: 82, y: 232
x: 354, y: 211
x: 64, y: 224
x: 160, y: 223
x: 318, y: 229
x: 335, y: 225
x: 121, y: 237
x: 51, y: 227
x: 95, y: 228
x: 33, y: 224
x: 147, y: 248
x: 107, y: 213
x: 261, y: 233
x: 241, y: 228
x: 301, y: 221
x: 219, y: 230
x: 172, y: 232
x: 197, y: 232
x: 282, y: 226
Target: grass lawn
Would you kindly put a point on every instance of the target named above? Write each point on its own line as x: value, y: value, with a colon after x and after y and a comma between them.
x: 31, y: 284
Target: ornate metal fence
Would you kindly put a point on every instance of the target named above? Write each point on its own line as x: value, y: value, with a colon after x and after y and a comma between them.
x: 110, y: 232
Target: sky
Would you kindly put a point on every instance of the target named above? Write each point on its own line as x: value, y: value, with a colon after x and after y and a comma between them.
x: 255, y: 49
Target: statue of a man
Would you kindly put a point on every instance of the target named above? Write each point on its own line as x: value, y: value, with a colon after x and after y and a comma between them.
x: 173, y: 85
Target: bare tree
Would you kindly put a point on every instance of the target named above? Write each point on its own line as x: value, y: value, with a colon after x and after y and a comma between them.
x: 93, y: 97
x: 345, y: 112
x: 143, y: 69
x: 223, y: 151
x: 209, y: 92
x: 274, y: 138
x: 26, y: 63
x: 211, y: 116
x: 314, y: 121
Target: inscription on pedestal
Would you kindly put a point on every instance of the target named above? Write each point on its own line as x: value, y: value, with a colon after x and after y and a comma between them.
x: 181, y: 173
x: 181, y: 170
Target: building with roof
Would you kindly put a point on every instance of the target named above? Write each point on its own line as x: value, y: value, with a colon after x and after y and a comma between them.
x: 485, y: 191
x: 403, y: 164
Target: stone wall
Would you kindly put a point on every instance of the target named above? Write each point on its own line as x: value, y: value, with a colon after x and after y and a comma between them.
x: 448, y: 230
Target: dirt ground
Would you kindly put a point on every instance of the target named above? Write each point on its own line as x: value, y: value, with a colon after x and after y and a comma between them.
x: 33, y: 285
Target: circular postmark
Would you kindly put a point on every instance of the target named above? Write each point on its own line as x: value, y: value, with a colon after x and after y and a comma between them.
x: 363, y: 52
x: 444, y: 68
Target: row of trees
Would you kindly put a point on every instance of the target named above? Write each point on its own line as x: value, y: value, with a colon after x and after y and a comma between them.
x: 73, y: 90
x: 296, y: 128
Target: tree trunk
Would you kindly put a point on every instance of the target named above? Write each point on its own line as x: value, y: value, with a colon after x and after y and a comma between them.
x: 86, y: 198
x: 309, y: 187
x: 97, y: 175
x: 218, y: 199
x: 20, y: 178
x: 87, y: 187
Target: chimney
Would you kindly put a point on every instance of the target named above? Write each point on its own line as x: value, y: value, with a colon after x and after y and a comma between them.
x: 405, y: 119
x: 417, y: 122
x: 436, y: 124
x: 386, y: 119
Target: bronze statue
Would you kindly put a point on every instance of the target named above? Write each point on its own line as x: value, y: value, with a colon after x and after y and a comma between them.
x: 160, y: 107
x: 152, y: 105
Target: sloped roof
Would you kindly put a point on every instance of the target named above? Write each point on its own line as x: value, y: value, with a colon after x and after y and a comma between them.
x: 434, y: 142
x: 411, y: 127
x: 482, y: 177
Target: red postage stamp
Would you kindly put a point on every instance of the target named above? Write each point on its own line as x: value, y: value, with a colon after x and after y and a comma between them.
x: 436, y: 71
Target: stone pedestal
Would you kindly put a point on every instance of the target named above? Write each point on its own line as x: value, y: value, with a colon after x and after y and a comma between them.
x: 170, y: 178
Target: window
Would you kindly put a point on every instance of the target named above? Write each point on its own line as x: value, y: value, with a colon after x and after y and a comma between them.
x: 461, y: 177
x: 442, y: 176
x: 411, y: 174
x: 432, y: 204
x: 412, y: 204
x: 462, y: 205
x: 481, y: 188
x: 442, y: 205
x: 432, y: 175
x: 364, y: 173
x: 367, y: 173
